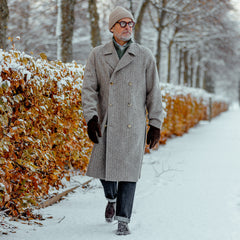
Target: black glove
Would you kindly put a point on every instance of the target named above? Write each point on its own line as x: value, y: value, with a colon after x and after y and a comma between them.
x: 153, y: 136
x: 94, y: 129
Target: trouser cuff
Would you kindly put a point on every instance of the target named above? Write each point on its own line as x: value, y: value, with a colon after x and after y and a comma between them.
x: 112, y: 200
x: 122, y: 219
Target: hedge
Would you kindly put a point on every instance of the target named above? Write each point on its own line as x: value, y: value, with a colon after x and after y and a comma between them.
x: 43, y: 135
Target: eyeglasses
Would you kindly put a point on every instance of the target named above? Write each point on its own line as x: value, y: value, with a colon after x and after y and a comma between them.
x: 123, y: 24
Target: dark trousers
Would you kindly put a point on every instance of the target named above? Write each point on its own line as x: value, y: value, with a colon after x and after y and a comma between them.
x: 123, y: 194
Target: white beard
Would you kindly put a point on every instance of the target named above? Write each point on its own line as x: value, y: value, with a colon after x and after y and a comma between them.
x: 125, y: 37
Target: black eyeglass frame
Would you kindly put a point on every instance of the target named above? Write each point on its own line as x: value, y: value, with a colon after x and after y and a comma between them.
x: 123, y: 24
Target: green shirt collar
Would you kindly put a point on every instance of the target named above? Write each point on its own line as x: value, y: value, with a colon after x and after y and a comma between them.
x: 121, y: 49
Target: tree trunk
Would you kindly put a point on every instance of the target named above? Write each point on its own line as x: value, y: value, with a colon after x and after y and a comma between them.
x: 192, y: 71
x: 65, y: 29
x: 161, y: 17
x: 208, y: 83
x: 198, y: 72
x: 24, y: 25
x: 180, y: 67
x: 138, y: 26
x: 185, y: 59
x: 169, y: 61
x: 159, y: 50
x: 204, y: 79
x: 94, y: 18
x: 4, y: 12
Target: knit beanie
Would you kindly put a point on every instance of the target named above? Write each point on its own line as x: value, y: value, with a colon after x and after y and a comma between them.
x: 117, y: 14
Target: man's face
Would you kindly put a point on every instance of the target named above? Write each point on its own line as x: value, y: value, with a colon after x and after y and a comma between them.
x: 122, y: 34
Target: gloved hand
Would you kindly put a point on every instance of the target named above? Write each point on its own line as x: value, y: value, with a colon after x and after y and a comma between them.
x: 153, y: 136
x: 94, y: 129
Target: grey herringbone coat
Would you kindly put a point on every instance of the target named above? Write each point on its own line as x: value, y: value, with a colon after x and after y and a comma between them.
x: 119, y: 92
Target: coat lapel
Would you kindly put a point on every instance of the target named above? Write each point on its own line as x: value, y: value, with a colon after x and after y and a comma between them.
x: 112, y: 59
x: 127, y: 58
x: 110, y: 55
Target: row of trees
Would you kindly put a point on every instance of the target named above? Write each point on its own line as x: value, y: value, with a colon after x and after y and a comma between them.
x: 195, y: 41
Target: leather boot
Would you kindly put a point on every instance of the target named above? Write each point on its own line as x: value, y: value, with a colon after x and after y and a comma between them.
x: 110, y: 211
x: 122, y: 228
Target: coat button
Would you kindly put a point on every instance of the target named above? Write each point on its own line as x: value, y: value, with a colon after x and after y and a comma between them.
x: 111, y: 83
x: 129, y: 125
x: 129, y: 104
x: 130, y: 84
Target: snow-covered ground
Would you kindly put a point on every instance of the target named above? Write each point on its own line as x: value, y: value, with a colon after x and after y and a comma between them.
x: 189, y: 190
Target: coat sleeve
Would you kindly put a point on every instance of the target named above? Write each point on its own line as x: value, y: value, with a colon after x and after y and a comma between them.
x: 155, y: 109
x: 90, y: 89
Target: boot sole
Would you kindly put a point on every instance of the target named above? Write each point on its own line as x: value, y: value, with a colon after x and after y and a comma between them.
x: 122, y: 233
x: 109, y: 220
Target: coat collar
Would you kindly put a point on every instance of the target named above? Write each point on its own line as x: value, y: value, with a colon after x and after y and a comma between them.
x: 112, y: 57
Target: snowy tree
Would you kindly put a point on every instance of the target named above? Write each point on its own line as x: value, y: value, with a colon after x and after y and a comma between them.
x: 190, y: 27
x: 3, y: 22
x: 65, y: 24
x: 35, y: 22
x: 214, y: 41
x: 160, y: 6
x: 139, y: 18
x: 94, y: 23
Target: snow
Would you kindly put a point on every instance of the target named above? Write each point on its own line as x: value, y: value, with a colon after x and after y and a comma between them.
x: 189, y: 189
x: 197, y: 93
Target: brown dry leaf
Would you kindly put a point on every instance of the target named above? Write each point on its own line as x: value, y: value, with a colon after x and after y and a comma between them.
x: 25, y: 61
x: 43, y: 56
x: 67, y: 178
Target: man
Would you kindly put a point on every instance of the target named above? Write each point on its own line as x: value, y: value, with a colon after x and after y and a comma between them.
x: 120, y: 83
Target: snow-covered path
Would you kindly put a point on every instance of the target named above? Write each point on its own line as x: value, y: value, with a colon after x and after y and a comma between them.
x: 189, y: 190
